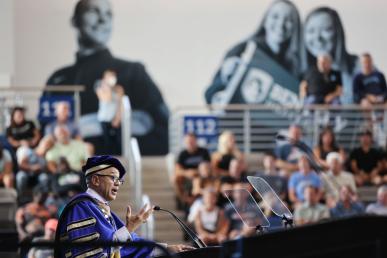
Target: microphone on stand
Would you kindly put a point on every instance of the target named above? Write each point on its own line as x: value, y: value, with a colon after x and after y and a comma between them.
x: 199, y: 243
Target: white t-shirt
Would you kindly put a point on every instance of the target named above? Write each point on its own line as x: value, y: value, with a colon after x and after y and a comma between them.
x: 23, y: 152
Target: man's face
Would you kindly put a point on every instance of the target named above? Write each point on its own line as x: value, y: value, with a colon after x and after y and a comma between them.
x: 365, y: 140
x: 18, y: 117
x: 383, y: 198
x: 295, y: 133
x: 268, y: 162
x: 335, y: 166
x: 106, y: 183
x: 324, y: 63
x: 209, y: 199
x: 94, y: 23
x: 310, y: 195
x: 345, y: 194
x: 62, y: 134
x: 304, y: 165
x: 191, y: 143
x: 204, y: 169
x: 62, y: 111
x: 366, y: 64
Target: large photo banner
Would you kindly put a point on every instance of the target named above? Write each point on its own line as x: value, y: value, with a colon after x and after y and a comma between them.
x: 106, y: 78
x: 274, y: 59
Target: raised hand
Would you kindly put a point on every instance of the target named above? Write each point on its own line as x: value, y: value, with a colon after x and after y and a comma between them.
x: 134, y: 221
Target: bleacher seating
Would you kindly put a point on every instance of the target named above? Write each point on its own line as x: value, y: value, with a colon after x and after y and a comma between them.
x: 8, y: 206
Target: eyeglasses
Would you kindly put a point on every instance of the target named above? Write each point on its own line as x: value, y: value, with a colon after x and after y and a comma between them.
x: 116, y: 180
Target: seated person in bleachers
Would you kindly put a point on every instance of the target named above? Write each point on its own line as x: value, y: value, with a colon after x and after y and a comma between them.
x: 62, y: 112
x: 237, y: 171
x: 326, y: 144
x: 348, y: 205
x: 383, y: 172
x: 272, y: 175
x: 204, y: 179
x: 287, y: 154
x: 380, y: 207
x: 32, y: 165
x: 31, y: 217
x: 22, y: 131
x: 199, y: 183
x: 75, y: 151
x: 186, y: 168
x: 369, y: 86
x: 226, y: 183
x: 298, y: 181
x: 6, y: 168
x: 366, y: 161
x: 210, y: 222
x: 49, y: 235
x: 236, y: 226
x: 310, y: 210
x: 321, y: 84
x: 66, y: 183
x: 227, y: 150
x: 335, y: 179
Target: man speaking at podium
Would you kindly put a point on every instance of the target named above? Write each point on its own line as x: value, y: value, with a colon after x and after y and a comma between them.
x: 87, y: 217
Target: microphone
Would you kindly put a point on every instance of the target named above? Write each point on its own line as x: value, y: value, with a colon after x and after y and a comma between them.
x: 199, y: 243
x: 304, y: 148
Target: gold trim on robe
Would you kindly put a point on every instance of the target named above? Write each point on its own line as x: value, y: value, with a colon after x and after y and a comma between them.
x: 81, y: 224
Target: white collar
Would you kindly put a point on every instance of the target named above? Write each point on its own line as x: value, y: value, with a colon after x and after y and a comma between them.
x: 96, y: 195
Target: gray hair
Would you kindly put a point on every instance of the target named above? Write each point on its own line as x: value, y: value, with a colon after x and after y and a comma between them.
x: 333, y: 156
x: 381, y: 190
x: 325, y: 56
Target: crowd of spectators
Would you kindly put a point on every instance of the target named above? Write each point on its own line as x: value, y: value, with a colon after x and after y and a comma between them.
x: 44, y: 166
x: 213, y: 189
x: 321, y: 84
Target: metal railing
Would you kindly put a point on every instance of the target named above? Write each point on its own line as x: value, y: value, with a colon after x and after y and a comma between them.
x: 255, y: 126
x: 131, y: 152
x: 29, y: 97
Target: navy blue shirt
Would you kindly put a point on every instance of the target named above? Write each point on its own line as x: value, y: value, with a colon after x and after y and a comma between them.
x: 374, y: 83
x: 340, y: 211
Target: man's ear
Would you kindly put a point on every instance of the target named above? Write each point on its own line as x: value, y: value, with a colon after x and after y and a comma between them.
x: 95, y: 180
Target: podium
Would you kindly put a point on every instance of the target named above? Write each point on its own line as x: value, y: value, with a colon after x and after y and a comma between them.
x: 364, y: 236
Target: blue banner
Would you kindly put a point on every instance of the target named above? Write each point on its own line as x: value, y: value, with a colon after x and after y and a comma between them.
x: 205, y: 128
x: 47, y: 106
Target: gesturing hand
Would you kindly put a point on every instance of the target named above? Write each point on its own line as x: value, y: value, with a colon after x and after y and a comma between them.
x: 179, y: 248
x: 134, y: 221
